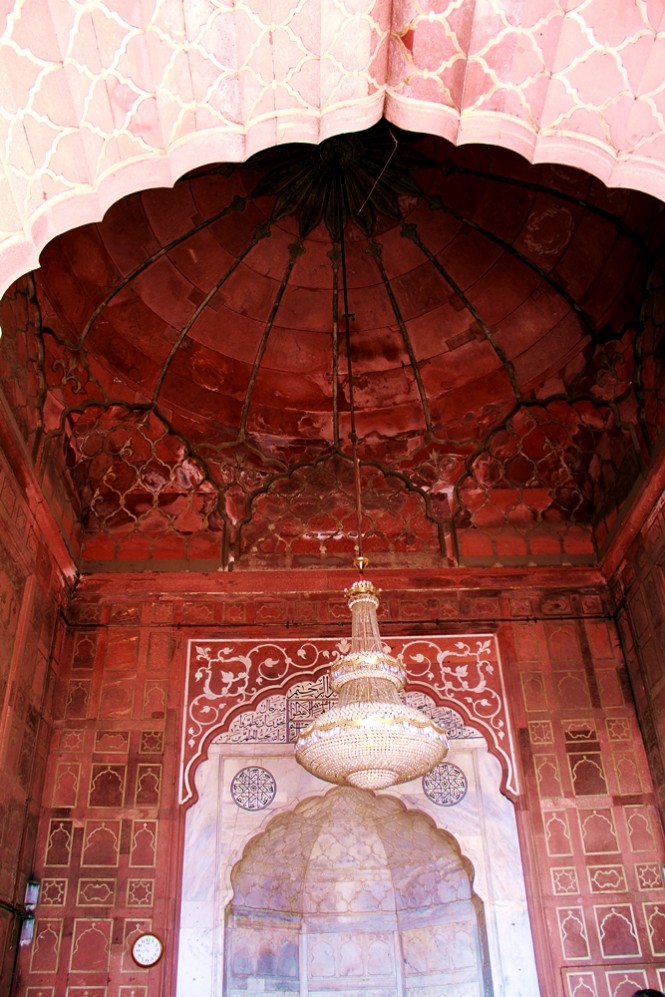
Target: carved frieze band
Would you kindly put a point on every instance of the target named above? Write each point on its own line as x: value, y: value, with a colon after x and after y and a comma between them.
x: 227, y: 678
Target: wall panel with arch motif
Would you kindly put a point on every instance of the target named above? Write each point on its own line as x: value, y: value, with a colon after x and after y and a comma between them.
x: 589, y: 833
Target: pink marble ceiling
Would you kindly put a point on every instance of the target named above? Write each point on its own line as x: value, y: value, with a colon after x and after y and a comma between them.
x: 99, y: 101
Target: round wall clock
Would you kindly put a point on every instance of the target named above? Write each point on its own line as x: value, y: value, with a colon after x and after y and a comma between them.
x: 147, y: 950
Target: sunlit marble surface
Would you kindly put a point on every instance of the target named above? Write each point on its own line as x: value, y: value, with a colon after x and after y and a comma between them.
x: 218, y: 832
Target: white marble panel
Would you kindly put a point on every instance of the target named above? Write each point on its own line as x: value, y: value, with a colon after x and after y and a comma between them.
x: 218, y: 833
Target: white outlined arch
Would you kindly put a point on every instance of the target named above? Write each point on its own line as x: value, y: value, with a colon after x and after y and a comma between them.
x: 217, y: 832
x: 226, y: 677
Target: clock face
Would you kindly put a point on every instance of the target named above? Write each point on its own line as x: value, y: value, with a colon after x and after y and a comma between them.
x: 147, y: 950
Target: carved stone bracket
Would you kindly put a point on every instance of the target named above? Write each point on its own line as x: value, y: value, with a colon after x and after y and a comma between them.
x: 226, y: 678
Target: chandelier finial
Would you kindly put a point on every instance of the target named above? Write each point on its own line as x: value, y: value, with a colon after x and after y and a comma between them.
x: 360, y: 563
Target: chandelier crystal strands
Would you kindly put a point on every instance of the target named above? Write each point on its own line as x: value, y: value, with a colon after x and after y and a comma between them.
x: 370, y: 739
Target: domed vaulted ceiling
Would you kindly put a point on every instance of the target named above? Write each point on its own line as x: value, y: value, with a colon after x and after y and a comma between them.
x: 189, y: 370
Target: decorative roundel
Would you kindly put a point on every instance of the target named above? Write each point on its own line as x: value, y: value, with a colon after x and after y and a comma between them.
x: 253, y: 788
x: 445, y: 785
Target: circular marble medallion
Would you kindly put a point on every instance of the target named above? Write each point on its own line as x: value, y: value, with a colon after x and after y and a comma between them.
x: 445, y: 785
x: 253, y: 788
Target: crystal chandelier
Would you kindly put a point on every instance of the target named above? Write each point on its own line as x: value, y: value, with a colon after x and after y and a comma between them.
x: 370, y: 739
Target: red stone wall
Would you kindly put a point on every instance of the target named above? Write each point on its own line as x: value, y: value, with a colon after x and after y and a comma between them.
x: 30, y: 593
x: 640, y: 594
x: 108, y: 846
x: 590, y: 824
x: 31, y: 420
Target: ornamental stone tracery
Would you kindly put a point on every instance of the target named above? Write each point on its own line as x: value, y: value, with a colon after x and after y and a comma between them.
x: 445, y: 785
x: 506, y: 338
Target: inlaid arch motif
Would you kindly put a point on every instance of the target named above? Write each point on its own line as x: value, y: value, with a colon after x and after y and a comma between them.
x: 227, y: 678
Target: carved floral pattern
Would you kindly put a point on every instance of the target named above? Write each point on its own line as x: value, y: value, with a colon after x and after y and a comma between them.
x: 227, y: 678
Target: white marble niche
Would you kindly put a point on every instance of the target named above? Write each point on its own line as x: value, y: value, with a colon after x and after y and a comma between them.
x: 394, y: 949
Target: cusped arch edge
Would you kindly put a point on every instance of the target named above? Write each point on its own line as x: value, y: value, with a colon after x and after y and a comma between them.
x: 86, y: 203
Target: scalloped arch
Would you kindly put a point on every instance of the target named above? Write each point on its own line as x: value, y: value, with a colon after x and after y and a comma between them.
x: 109, y: 101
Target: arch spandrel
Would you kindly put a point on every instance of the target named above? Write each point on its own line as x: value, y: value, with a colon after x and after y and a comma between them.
x: 226, y: 678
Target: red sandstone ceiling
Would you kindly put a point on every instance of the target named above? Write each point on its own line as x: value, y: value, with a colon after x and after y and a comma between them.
x: 105, y: 99
x: 187, y: 372
x: 177, y: 371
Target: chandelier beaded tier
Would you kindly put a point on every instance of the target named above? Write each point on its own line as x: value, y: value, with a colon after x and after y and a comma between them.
x: 370, y: 739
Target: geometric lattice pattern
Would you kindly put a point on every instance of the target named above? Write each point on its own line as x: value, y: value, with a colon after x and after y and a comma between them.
x: 109, y: 117
x: 445, y: 785
x: 140, y: 487
x: 310, y: 518
x: 597, y: 840
x: 507, y: 374
x: 253, y: 788
x: 543, y: 481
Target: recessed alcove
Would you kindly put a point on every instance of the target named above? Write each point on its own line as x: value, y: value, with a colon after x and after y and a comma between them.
x: 291, y: 885
x: 354, y: 893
